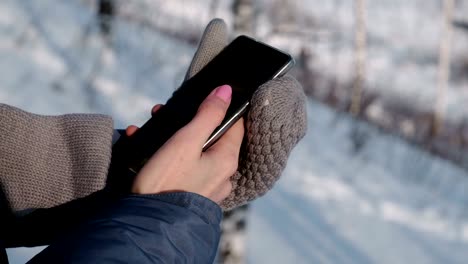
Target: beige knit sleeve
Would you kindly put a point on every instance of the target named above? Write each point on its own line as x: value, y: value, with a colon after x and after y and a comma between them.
x: 48, y: 160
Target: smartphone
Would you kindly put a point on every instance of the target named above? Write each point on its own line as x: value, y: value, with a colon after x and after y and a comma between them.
x: 245, y: 64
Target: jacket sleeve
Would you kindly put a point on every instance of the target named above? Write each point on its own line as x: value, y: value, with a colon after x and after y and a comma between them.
x: 163, y: 228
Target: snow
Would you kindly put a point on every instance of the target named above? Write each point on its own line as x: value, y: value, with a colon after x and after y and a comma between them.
x: 350, y: 193
x: 403, y: 45
x: 386, y: 203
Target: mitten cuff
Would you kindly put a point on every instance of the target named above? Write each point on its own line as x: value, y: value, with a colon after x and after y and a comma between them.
x: 48, y: 160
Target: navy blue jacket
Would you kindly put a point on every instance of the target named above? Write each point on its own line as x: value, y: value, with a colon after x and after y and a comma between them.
x: 162, y: 228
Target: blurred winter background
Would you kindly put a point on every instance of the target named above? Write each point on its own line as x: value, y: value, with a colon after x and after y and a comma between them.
x: 382, y: 174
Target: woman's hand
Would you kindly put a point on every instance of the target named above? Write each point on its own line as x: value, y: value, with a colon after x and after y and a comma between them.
x: 132, y: 128
x: 180, y: 164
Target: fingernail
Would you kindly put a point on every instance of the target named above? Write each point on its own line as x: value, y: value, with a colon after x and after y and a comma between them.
x: 224, y: 92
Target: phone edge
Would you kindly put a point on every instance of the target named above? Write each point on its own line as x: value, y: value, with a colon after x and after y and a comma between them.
x: 214, y: 137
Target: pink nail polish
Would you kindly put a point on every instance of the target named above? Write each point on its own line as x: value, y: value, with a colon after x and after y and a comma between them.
x: 224, y: 92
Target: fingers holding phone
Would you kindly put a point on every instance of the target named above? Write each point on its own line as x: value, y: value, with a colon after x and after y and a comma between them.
x: 131, y: 129
x: 180, y: 164
x: 245, y: 64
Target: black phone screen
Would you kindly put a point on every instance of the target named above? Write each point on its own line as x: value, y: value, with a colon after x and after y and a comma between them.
x: 244, y: 64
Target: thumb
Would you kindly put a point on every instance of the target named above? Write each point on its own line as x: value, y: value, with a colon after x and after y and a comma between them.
x: 210, y: 114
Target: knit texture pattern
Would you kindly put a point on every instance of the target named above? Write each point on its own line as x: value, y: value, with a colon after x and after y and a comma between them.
x: 213, y: 40
x: 49, y: 160
x: 275, y: 123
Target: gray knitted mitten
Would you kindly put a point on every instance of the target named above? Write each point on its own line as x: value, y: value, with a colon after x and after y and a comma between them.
x: 48, y: 160
x: 274, y: 124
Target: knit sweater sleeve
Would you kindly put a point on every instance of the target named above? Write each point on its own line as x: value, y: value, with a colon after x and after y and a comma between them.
x: 49, y: 160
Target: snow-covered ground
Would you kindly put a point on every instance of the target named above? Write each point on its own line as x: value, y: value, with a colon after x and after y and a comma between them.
x: 381, y: 202
x: 53, y: 61
x: 386, y: 203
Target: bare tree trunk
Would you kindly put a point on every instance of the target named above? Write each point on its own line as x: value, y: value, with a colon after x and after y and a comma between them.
x: 106, y: 11
x: 213, y: 8
x: 360, y: 35
x: 244, y: 16
x: 232, y: 243
x: 444, y: 67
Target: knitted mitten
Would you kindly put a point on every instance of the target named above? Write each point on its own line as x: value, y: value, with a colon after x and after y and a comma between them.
x: 274, y: 124
x: 48, y: 160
